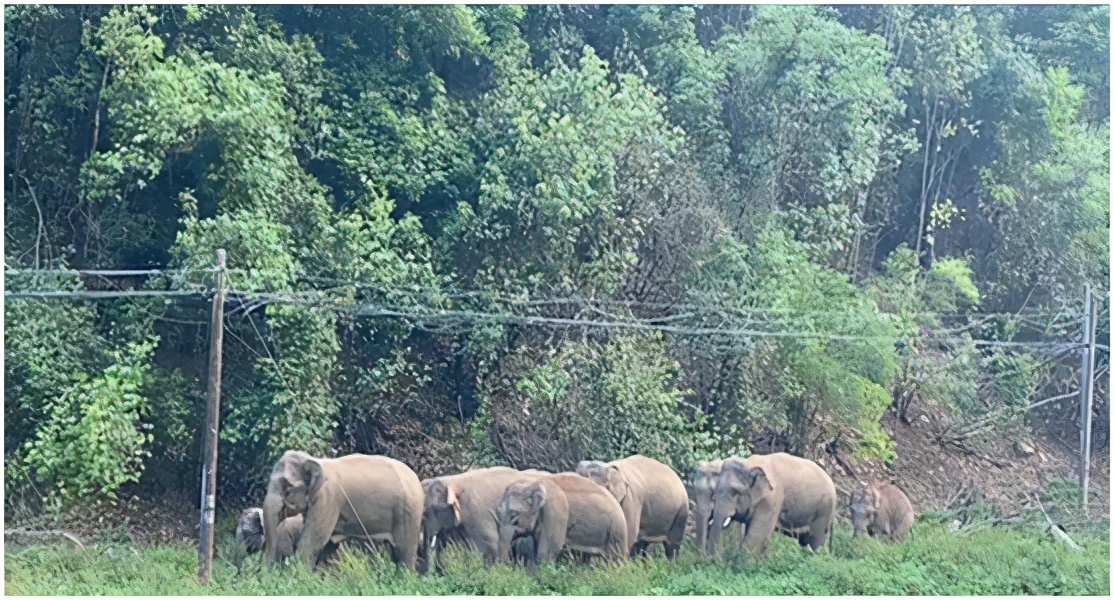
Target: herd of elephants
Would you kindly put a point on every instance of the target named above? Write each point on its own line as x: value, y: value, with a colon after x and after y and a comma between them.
x: 608, y: 509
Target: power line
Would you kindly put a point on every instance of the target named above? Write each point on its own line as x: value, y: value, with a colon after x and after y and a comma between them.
x: 106, y: 272
x: 377, y: 310
x: 369, y: 309
x: 99, y: 295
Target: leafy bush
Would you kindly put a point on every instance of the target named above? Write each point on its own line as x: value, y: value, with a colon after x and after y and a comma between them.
x: 588, y: 400
x: 89, y: 444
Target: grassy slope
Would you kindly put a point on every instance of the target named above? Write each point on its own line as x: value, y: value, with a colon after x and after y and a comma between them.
x: 990, y: 561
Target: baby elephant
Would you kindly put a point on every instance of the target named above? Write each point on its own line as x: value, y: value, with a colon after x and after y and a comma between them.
x: 250, y: 535
x: 882, y: 509
x: 562, y: 511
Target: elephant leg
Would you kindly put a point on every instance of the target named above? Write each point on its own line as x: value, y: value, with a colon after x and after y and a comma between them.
x: 320, y: 523
x: 404, y: 557
x: 759, y: 531
x: 329, y: 553
x: 634, y: 517
x: 818, y: 533
x: 406, y: 541
x: 640, y: 548
x: 545, y: 550
x: 676, y: 533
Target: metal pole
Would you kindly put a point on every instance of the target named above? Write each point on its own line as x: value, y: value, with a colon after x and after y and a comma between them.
x: 1088, y: 395
x: 212, y: 425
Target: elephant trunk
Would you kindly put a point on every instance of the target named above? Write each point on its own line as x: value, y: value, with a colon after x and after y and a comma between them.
x: 427, y: 546
x: 716, y: 527
x: 703, y: 515
x: 272, y: 515
x: 506, y: 537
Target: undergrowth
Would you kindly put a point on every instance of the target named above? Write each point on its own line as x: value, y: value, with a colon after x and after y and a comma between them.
x: 995, y: 561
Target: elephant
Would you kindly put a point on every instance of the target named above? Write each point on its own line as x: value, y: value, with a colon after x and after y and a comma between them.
x: 653, y: 498
x: 359, y: 497
x: 562, y: 511
x: 882, y: 509
x: 773, y: 491
x: 250, y: 533
x: 461, y: 509
x: 702, y: 488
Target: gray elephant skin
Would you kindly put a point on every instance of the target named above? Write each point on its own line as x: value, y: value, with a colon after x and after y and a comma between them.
x: 250, y: 533
x: 357, y: 497
x: 775, y: 491
x: 562, y: 511
x: 882, y: 510
x: 702, y: 489
x: 652, y: 497
x: 461, y: 509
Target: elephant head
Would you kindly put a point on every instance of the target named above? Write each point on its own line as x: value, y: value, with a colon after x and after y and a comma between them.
x: 442, y: 511
x: 517, y: 513
x: 738, y: 490
x: 864, y: 505
x: 295, y: 482
x: 249, y: 531
x: 585, y: 468
x: 702, y: 488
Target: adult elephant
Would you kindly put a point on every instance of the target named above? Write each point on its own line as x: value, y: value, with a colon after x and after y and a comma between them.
x: 655, y: 505
x: 564, y: 510
x: 461, y: 508
x: 359, y: 497
x: 775, y: 491
x: 702, y: 488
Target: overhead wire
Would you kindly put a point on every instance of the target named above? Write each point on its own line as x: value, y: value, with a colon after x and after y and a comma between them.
x: 249, y: 302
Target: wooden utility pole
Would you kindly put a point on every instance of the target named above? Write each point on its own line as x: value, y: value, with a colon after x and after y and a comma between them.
x: 212, y: 427
x: 1086, y: 393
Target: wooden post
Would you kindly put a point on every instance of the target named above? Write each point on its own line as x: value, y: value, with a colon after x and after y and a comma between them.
x: 1087, y: 395
x: 212, y: 427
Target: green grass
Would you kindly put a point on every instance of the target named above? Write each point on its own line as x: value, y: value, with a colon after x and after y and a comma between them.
x: 995, y: 561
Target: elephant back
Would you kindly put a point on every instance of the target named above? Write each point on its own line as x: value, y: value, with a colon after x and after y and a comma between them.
x: 362, y: 480
x: 804, y: 485
x: 654, y: 481
x: 593, y: 510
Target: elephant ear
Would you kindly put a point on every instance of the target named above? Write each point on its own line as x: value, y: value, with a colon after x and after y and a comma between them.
x: 760, y: 482
x: 313, y: 476
x: 452, y: 498
x: 614, y: 482
x: 535, y: 498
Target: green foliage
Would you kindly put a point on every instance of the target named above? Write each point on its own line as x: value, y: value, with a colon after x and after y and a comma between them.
x: 551, y: 146
x: 88, y: 444
x: 741, y: 172
x: 302, y: 405
x: 837, y: 361
x: 807, y: 105
x: 46, y: 350
x: 176, y: 410
x: 993, y: 561
x: 603, y: 401
x: 876, y: 443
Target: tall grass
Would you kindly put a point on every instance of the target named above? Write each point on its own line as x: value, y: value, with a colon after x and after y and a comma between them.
x: 995, y: 561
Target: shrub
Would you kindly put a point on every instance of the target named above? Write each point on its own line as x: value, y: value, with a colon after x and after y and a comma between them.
x: 89, y: 445
x: 588, y: 400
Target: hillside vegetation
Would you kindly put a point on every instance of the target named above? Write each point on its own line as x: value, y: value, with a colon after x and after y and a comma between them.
x: 986, y: 562
x: 473, y: 235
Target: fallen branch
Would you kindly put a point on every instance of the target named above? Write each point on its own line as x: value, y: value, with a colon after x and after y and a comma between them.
x: 48, y: 533
x: 1057, y: 532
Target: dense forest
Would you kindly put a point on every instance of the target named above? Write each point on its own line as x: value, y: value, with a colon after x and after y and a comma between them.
x: 465, y: 235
